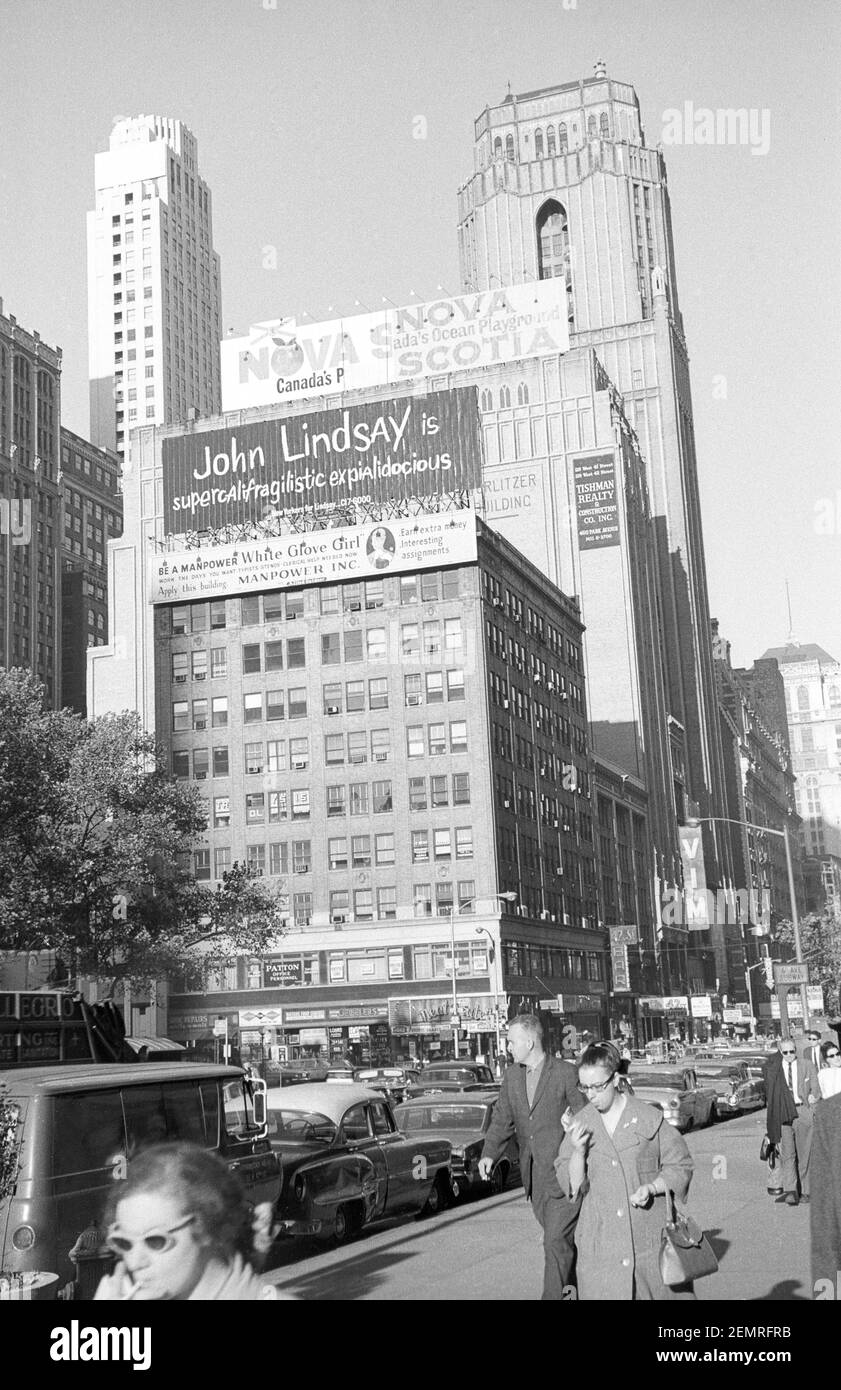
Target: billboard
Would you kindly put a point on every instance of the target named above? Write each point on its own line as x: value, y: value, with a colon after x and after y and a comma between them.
x: 314, y: 557
x: 596, y: 503
x: 282, y: 360
x: 694, y: 877
x: 374, y: 450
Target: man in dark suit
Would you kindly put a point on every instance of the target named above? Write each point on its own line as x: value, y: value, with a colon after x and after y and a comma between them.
x: 535, y: 1095
x: 790, y: 1089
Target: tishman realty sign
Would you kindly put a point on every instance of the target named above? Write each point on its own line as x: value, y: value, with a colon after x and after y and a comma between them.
x: 281, y: 360
x: 404, y: 447
x: 314, y: 557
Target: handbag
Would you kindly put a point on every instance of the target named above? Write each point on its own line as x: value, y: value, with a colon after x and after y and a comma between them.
x: 767, y: 1151
x: 685, y: 1252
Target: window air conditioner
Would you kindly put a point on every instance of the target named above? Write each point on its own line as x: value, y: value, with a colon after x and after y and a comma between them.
x: 332, y: 709
x: 380, y: 757
x: 544, y: 916
x: 413, y: 699
x: 567, y: 920
x: 199, y: 675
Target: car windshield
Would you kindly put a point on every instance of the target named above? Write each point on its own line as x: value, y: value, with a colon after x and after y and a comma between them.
x: 659, y: 1079
x: 301, y: 1126
x: 377, y: 1074
x: 719, y: 1073
x: 412, y: 1118
x: 457, y: 1074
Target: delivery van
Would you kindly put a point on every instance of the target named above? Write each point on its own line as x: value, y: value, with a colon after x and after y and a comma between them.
x: 76, y: 1127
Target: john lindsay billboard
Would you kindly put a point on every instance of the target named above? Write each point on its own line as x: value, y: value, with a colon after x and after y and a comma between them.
x: 404, y: 447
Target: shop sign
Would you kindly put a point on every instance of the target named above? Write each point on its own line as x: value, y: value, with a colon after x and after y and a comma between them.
x: 433, y: 1015
x: 303, y: 1015
x: 261, y: 1018
x: 701, y: 1006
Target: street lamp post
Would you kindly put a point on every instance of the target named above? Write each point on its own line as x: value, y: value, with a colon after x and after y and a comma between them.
x: 508, y: 897
x: 795, y: 919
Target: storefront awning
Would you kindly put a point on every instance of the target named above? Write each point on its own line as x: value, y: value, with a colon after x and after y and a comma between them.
x: 145, y: 1046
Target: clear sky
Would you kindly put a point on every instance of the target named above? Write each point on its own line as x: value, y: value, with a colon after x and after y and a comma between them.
x: 305, y: 120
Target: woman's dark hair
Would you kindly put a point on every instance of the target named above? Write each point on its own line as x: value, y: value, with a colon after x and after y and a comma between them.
x: 825, y: 1048
x: 204, y: 1188
x: 601, y: 1055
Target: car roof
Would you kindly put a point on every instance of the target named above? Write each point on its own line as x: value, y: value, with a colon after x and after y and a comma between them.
x: 462, y: 1062
x: 86, y: 1076
x: 454, y: 1098
x: 317, y: 1096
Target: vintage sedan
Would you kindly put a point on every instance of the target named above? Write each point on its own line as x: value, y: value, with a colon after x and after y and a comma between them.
x: 686, y: 1103
x: 439, y: 1077
x: 393, y: 1082
x: 737, y: 1091
x: 346, y: 1164
x: 464, y: 1120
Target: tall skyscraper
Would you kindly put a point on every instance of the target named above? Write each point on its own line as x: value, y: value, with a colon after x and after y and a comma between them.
x: 565, y: 186
x: 154, y: 303
x: 30, y: 511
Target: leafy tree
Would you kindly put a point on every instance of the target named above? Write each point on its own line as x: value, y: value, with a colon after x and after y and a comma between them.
x: 820, y: 940
x: 94, y: 841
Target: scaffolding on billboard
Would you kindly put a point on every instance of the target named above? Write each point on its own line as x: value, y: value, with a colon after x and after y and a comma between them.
x: 323, y: 517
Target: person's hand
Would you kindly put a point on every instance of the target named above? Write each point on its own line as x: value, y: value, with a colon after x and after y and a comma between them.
x: 813, y: 1100
x: 485, y: 1168
x: 579, y: 1136
x: 566, y: 1120
x: 643, y: 1195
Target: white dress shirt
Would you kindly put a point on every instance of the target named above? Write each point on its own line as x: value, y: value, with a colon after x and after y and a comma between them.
x: 829, y: 1080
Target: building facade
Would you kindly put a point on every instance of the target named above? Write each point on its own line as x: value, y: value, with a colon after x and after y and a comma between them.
x: 154, y: 298
x: 92, y: 515
x: 812, y: 680
x: 30, y: 517
x: 564, y: 186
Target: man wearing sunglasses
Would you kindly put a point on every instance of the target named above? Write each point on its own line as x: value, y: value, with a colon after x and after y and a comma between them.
x: 790, y: 1093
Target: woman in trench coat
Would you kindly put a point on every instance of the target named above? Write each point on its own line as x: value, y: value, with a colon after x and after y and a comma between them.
x: 624, y: 1157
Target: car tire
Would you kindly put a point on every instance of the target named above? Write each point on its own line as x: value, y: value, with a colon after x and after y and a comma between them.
x: 438, y: 1198
x: 499, y: 1178
x: 347, y: 1223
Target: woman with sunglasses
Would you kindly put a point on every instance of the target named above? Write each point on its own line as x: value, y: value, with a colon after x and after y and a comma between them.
x: 624, y: 1157
x: 829, y: 1076
x: 181, y: 1230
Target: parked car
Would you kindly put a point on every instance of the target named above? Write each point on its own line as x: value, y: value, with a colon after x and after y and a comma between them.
x: 78, y: 1124
x: 346, y: 1164
x: 391, y: 1081
x: 453, y: 1076
x: 736, y: 1090
x: 685, y: 1103
x: 464, y: 1120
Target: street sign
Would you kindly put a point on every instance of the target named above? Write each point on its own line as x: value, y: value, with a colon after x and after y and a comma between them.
x: 220, y: 1028
x: 626, y: 935
x: 791, y: 973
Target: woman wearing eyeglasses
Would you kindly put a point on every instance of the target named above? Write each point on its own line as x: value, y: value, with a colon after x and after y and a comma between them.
x: 182, y: 1230
x: 624, y: 1157
x: 829, y: 1076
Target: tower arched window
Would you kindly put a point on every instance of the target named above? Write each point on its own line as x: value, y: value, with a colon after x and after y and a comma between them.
x: 550, y: 139
x: 509, y: 147
x: 553, y: 248
x: 498, y: 148
x: 604, y: 125
x: 591, y: 127
x: 487, y: 401
x: 522, y: 394
x: 562, y: 138
x: 802, y: 697
x: 504, y: 397
x: 538, y: 144
x: 834, y: 695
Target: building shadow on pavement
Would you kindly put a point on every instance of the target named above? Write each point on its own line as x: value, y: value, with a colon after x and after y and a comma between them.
x: 354, y: 1278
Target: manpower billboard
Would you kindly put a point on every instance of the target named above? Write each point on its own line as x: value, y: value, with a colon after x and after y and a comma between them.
x: 314, y: 557
x: 404, y: 447
x: 282, y: 360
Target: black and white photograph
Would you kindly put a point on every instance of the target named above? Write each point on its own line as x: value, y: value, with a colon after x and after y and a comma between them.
x: 420, y: 667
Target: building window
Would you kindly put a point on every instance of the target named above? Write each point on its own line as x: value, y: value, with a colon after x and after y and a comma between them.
x: 408, y: 588
x: 254, y: 758
x: 299, y: 754
x: 218, y: 663
x: 274, y: 656
x: 380, y: 745
x: 298, y: 702
x: 255, y: 808
x: 252, y: 708
x: 337, y: 852
x: 357, y: 746
x: 201, y: 764
x: 414, y: 741
x: 377, y: 644
x: 256, y: 858
x: 360, y: 847
x: 355, y: 693
x: 386, y: 903
x: 180, y: 667
x: 336, y: 801
x: 250, y: 610
x: 458, y: 736
x: 420, y: 846
x: 221, y: 860
x: 275, y: 704
x: 219, y: 711
x: 464, y: 843
x: 423, y: 908
x: 201, y: 868
x: 276, y: 754
x: 251, y: 659
x: 381, y: 793
x: 339, y: 905
x: 334, y: 749
x: 417, y: 794
x: 332, y: 696
x: 461, y: 788
x: 455, y: 685
x: 302, y: 909
x: 439, y: 791
x: 384, y: 849
x: 278, y: 807
x: 442, y: 844
x: 180, y: 763
x: 301, y: 804
x: 221, y: 812
x: 363, y: 905
x: 221, y: 766
x: 378, y: 692
x: 538, y: 144
x: 217, y: 614
x: 434, y: 687
x: 180, y: 715
x: 437, y: 740
x: 296, y: 655
x: 301, y: 856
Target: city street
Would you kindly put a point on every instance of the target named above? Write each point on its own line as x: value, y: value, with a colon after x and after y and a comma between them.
x: 491, y: 1249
